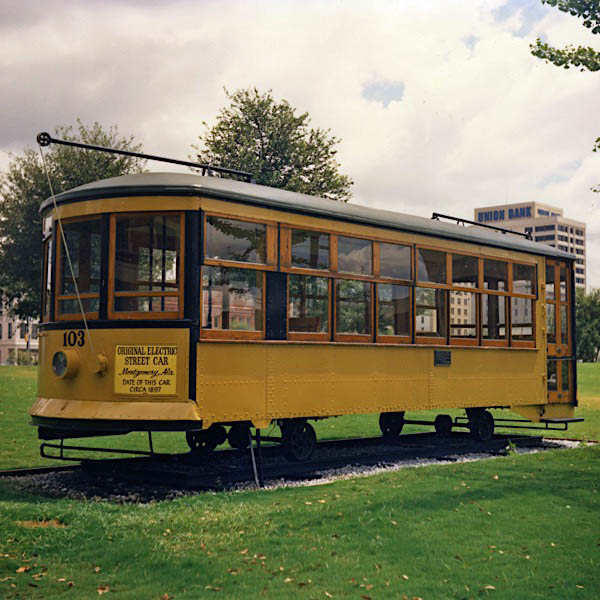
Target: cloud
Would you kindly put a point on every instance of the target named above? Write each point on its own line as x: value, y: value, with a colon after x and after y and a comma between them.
x: 439, y: 105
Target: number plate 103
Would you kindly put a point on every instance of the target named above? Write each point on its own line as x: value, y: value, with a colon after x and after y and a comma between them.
x: 74, y: 338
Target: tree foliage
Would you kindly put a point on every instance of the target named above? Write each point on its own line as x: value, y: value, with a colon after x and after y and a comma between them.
x: 25, y: 185
x: 582, y: 57
x: 268, y: 139
x: 587, y: 315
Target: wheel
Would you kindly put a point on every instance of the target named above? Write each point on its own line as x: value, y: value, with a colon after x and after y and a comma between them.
x: 206, y: 440
x: 238, y: 436
x: 481, y: 425
x: 391, y: 424
x: 298, y: 440
x: 443, y: 425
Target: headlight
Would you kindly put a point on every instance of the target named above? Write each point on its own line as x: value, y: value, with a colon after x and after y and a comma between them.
x: 65, y: 363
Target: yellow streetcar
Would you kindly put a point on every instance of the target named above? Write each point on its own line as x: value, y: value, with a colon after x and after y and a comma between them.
x: 205, y: 305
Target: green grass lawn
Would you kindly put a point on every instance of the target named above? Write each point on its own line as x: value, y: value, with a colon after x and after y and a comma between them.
x: 525, y: 526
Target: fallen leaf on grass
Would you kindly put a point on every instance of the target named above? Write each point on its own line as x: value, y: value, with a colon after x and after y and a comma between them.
x: 489, y: 587
x: 212, y: 588
x: 166, y: 597
x: 578, y: 586
x: 495, y: 477
x: 45, y: 523
x: 244, y: 551
x: 405, y: 577
x: 365, y: 597
x: 6, y: 578
x: 328, y: 595
x: 288, y: 580
x: 97, y: 569
x: 103, y: 589
x: 23, y: 569
x: 308, y: 503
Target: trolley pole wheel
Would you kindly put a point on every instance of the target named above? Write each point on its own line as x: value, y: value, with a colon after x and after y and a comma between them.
x: 481, y: 424
x: 391, y: 424
x: 298, y: 440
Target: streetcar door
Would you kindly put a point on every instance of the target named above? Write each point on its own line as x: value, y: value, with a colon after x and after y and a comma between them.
x: 561, y: 361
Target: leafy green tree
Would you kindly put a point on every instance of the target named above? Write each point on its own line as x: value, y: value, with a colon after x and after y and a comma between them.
x: 25, y: 185
x: 582, y: 57
x: 587, y: 315
x: 268, y: 139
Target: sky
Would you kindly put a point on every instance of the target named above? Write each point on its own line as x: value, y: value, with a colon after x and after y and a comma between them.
x: 439, y: 104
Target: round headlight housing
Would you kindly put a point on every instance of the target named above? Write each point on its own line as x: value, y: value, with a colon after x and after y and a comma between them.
x: 65, y: 363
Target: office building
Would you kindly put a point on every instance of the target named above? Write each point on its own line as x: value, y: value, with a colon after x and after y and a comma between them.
x: 546, y: 224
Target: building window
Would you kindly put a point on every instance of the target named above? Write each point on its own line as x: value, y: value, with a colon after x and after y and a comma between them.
x: 543, y: 238
x: 10, y: 331
x: 0, y: 331
x: 355, y: 255
x: 579, y: 242
x: 522, y: 323
x: 579, y: 232
x: 580, y: 280
x: 563, y: 238
x: 465, y: 328
x: 545, y: 228
x: 579, y: 271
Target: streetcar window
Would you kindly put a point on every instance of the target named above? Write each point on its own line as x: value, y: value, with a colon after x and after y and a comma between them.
x: 310, y: 249
x: 430, y: 316
x: 523, y: 279
x: 550, y: 324
x: 394, y: 261
x: 147, y: 263
x: 431, y: 265
x: 565, y: 368
x: 464, y: 271
x: 495, y: 275
x: 552, y: 376
x: 80, y: 268
x: 308, y: 304
x: 353, y: 307
x: 232, y: 299
x: 522, y: 319
x: 355, y: 255
x: 463, y: 324
x: 234, y: 240
x: 47, y: 290
x: 493, y: 312
x: 393, y: 309
x: 563, y: 283
x: 564, y: 327
x: 550, y: 282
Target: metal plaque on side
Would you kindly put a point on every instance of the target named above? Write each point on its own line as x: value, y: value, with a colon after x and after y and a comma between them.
x: 442, y: 358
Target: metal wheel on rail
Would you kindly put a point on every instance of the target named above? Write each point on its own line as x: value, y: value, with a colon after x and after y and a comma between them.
x: 206, y: 440
x: 481, y: 424
x: 298, y: 440
x: 391, y: 424
x: 443, y: 425
x: 238, y: 437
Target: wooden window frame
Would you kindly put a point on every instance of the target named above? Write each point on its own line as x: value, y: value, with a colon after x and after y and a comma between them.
x: 393, y: 339
x: 234, y: 334
x: 557, y: 348
x: 377, y: 262
x: 46, y: 297
x: 349, y: 274
x: 429, y: 340
x: 458, y: 341
x: 352, y: 337
x: 285, y: 233
x: 58, y: 298
x: 305, y: 336
x: 511, y: 282
x: 112, y: 294
x: 271, y: 230
x: 524, y: 343
x: 495, y: 343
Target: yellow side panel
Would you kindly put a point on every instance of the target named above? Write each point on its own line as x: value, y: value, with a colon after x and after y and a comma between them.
x: 249, y: 381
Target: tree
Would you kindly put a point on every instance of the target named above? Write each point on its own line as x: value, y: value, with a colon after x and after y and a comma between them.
x: 268, y: 139
x: 582, y: 57
x: 587, y: 316
x: 25, y: 185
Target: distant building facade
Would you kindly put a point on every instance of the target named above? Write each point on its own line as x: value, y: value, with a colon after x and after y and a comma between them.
x: 546, y: 224
x: 18, y: 339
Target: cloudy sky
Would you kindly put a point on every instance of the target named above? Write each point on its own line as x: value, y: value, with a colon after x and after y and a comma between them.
x: 439, y: 104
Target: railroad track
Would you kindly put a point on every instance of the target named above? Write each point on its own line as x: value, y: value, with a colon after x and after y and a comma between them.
x: 38, y: 470
x: 227, y: 468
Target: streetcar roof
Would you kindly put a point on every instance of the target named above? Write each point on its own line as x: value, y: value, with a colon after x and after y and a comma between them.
x: 188, y: 184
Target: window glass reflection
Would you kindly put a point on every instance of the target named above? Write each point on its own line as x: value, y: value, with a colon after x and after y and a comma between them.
x: 430, y: 312
x: 463, y: 315
x: 353, y: 306
x: 464, y: 270
x: 394, y: 261
x: 394, y: 309
x: 355, y: 255
x: 431, y: 265
x: 231, y: 239
x: 310, y: 249
x: 493, y: 311
x: 308, y: 304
